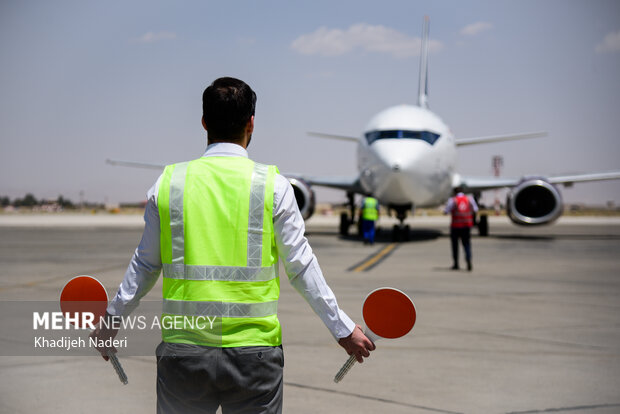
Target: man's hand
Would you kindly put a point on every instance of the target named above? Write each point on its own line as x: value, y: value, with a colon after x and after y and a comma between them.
x: 357, y: 344
x: 104, y: 333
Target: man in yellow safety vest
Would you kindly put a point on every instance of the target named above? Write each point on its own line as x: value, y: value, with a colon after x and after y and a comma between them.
x: 370, y: 214
x: 217, y: 226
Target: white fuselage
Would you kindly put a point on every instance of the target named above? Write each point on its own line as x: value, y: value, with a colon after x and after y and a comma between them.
x: 407, y: 156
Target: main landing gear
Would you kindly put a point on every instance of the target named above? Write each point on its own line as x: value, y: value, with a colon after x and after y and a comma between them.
x: 483, y: 225
x: 345, y: 219
x: 482, y: 221
x: 401, y: 232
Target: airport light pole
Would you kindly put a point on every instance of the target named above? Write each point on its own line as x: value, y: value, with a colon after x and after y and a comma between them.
x: 498, y: 163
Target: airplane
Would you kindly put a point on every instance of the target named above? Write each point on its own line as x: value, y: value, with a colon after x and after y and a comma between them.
x: 407, y: 159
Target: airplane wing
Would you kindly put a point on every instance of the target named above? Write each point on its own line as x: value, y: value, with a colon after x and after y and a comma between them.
x: 477, y: 184
x: 348, y: 184
x: 499, y: 138
x: 135, y: 164
x: 568, y: 180
x: 473, y: 184
x: 333, y: 136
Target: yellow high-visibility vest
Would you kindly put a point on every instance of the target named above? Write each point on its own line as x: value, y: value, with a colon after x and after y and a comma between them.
x: 369, y: 212
x: 218, y: 251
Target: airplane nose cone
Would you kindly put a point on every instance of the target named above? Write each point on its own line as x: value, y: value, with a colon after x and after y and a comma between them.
x: 406, y: 165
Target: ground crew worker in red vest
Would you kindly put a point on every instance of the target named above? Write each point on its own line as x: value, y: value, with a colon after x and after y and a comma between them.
x: 462, y: 208
x: 217, y: 226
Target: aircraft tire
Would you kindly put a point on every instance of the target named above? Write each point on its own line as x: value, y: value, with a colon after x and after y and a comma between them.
x: 344, y: 224
x: 395, y: 233
x: 483, y: 225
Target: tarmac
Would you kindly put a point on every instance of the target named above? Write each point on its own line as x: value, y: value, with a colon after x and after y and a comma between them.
x: 534, y: 328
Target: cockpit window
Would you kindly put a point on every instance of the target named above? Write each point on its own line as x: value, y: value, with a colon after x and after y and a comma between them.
x: 427, y: 136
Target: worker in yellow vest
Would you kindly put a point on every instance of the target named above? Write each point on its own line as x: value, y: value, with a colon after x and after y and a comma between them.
x: 370, y: 214
x: 217, y: 226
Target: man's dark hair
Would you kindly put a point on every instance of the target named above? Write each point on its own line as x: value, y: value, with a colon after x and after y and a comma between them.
x: 227, y: 106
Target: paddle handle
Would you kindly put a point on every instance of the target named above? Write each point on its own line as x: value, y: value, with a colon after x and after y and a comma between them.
x: 345, y: 368
x: 117, y: 366
x: 351, y: 361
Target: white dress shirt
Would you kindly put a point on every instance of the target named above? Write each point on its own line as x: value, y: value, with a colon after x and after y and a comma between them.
x: 299, y: 262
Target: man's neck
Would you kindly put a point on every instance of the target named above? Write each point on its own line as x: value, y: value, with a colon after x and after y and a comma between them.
x: 242, y: 142
x: 221, y: 141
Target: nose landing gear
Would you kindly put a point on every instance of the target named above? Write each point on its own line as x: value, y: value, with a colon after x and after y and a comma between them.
x: 401, y: 232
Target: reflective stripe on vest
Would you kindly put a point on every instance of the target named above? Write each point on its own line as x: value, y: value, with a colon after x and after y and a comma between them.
x: 220, y: 309
x: 462, y: 214
x: 369, y: 212
x: 232, y: 273
x: 219, y: 257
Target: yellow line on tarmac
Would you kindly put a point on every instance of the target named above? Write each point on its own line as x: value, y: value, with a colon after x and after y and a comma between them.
x: 375, y: 258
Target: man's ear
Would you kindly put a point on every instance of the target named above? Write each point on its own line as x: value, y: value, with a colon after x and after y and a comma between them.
x: 250, y: 127
x: 203, y: 123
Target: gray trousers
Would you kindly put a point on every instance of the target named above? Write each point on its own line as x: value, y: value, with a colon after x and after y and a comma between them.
x: 198, y: 379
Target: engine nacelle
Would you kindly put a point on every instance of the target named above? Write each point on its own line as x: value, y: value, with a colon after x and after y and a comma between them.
x: 534, y: 201
x: 304, y: 196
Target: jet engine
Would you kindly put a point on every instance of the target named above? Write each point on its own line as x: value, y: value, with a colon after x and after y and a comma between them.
x: 534, y: 201
x: 304, y: 196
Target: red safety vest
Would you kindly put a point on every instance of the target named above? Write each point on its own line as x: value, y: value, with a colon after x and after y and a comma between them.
x: 462, y: 213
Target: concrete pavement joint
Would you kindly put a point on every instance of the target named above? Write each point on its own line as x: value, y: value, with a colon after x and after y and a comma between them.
x: 527, y: 339
x: 558, y: 410
x: 56, y: 278
x: 367, y: 397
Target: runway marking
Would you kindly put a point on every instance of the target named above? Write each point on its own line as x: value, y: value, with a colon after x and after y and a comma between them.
x: 558, y: 410
x: 367, y: 397
x: 374, y: 259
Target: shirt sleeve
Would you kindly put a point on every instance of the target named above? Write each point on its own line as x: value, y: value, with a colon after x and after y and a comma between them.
x: 300, y: 263
x: 145, y: 265
x: 474, y: 206
x: 449, y: 206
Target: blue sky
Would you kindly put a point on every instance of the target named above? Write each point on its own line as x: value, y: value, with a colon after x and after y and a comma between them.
x: 83, y: 81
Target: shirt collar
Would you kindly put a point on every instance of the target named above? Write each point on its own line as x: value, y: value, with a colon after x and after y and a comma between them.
x: 225, y: 149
